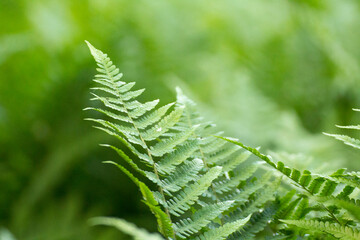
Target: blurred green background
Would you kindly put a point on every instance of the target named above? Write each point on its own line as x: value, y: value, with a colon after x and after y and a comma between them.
x: 274, y: 74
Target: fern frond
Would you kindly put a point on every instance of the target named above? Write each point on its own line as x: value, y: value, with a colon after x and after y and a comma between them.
x: 168, y: 149
x: 341, y: 232
x: 353, y: 142
x: 346, y: 191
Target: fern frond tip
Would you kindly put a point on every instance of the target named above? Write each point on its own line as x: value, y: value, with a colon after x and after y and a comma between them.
x: 93, y: 50
x: 355, y: 127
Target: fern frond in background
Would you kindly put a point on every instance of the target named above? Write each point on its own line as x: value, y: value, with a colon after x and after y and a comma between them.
x: 235, y: 182
x: 353, y: 142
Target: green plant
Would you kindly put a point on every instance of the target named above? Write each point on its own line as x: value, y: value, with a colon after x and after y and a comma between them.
x: 205, y: 188
x: 199, y: 186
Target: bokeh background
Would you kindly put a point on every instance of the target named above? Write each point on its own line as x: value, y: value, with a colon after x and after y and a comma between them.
x: 274, y: 74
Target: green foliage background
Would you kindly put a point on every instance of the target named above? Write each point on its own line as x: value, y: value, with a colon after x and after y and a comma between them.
x: 272, y: 73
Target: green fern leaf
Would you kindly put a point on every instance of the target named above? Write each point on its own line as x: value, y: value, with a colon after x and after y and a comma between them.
x: 222, y: 154
x: 201, y: 218
x: 184, y: 199
x: 316, y: 185
x: 147, y: 120
x: 257, y: 223
x: 223, y: 231
x: 287, y: 212
x: 257, y: 199
x: 184, y: 174
x: 241, y: 175
x: 232, y: 163
x: 242, y: 195
x: 167, y: 145
x: 176, y: 151
x: 329, y: 188
x: 163, y: 126
x: 344, y: 194
x: 301, y: 209
x: 168, y: 163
